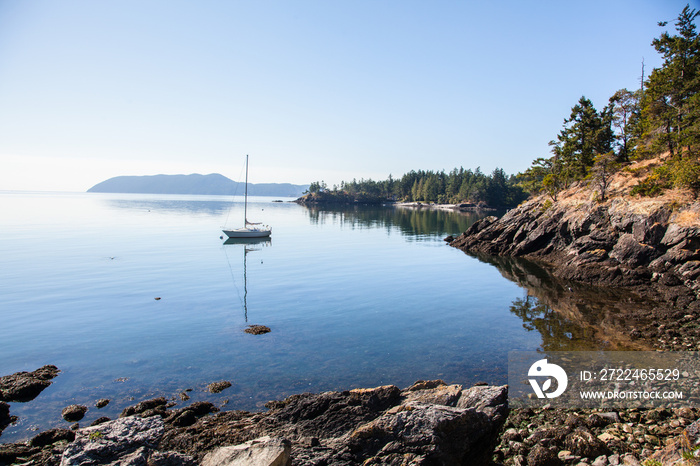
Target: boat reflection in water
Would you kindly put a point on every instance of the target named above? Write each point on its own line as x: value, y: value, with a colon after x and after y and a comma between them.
x: 248, y: 245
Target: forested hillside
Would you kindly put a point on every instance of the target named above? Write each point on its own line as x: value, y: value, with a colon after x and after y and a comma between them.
x: 661, y: 117
x: 459, y: 185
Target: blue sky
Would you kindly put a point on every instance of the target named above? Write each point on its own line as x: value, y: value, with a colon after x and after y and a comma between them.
x: 312, y: 90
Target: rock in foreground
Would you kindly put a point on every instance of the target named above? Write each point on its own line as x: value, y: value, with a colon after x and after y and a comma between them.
x: 129, y: 440
x: 262, y: 451
x: 428, y: 423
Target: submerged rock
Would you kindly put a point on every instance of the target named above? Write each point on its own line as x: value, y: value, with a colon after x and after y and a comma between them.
x: 218, y: 387
x: 257, y: 329
x: 25, y: 386
x: 148, y: 408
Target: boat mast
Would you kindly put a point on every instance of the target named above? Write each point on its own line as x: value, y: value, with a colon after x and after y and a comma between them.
x: 245, y: 206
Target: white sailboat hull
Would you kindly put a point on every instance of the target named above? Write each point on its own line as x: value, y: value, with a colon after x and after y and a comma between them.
x: 248, y: 233
x: 245, y: 231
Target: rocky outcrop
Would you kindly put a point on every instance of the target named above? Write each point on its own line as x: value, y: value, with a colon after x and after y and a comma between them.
x: 22, y: 387
x: 427, y: 423
x: 44, y: 448
x: 25, y: 386
x: 430, y: 422
x: 645, y: 245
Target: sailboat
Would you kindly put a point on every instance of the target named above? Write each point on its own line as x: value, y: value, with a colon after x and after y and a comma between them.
x: 249, y: 229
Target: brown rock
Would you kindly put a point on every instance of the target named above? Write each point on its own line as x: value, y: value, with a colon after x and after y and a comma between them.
x: 25, y: 386
x: 541, y: 456
x: 582, y: 442
x: 257, y: 329
x: 74, y: 413
x: 218, y: 387
x: 432, y: 392
x: 146, y: 408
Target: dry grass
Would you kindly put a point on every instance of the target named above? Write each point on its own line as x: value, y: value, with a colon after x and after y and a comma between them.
x: 680, y: 201
x: 688, y: 218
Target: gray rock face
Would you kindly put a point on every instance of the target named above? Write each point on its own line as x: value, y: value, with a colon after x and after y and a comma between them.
x: 628, y: 251
x: 263, y: 451
x: 435, y: 433
x: 126, y: 441
x: 417, y: 429
x: 433, y: 392
x: 616, y: 244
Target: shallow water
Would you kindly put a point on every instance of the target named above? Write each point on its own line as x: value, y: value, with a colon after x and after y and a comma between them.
x: 355, y: 297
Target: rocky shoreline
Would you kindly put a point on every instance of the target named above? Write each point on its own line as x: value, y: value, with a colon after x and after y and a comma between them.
x: 650, y: 247
x: 463, y: 207
x: 428, y: 423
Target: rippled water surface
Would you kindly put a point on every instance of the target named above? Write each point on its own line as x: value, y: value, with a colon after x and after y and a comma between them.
x: 354, y: 297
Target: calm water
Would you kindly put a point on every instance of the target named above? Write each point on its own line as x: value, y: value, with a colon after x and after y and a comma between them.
x: 354, y: 298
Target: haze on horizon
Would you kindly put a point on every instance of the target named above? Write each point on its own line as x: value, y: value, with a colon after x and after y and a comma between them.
x: 311, y: 90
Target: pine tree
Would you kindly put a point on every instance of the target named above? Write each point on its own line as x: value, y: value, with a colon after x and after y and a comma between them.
x: 671, y: 106
x: 586, y: 134
x: 625, y: 117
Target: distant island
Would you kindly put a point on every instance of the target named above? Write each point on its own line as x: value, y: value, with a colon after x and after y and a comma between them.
x: 212, y: 184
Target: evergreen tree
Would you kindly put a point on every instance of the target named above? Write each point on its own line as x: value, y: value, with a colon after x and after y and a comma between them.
x: 625, y: 117
x: 671, y: 107
x: 586, y: 134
